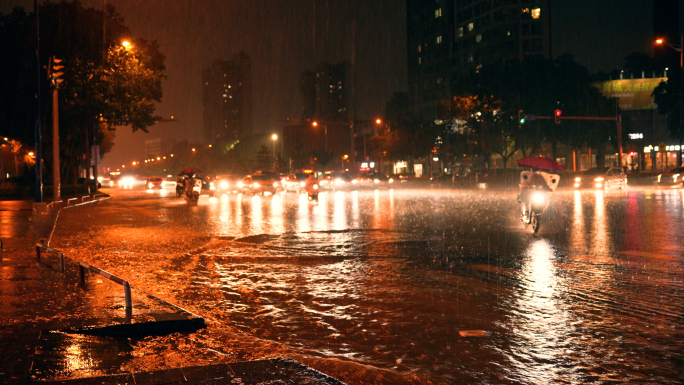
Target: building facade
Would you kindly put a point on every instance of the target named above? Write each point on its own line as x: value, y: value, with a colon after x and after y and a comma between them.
x: 227, y: 101
x: 448, y: 39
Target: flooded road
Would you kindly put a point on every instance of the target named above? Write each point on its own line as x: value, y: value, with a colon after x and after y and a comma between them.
x: 399, y: 280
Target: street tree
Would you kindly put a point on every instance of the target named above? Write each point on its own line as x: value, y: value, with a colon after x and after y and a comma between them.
x: 106, y: 85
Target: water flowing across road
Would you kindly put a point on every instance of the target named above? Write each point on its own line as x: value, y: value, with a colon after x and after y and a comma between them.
x: 394, y: 280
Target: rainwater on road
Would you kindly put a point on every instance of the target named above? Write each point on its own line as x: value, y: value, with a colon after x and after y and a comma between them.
x: 433, y: 286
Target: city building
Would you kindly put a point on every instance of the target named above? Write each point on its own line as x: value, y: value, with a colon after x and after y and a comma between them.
x: 227, y: 101
x: 323, y: 134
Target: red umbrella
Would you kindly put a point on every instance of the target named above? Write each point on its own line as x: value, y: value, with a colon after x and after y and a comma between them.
x: 541, y: 162
x: 190, y: 171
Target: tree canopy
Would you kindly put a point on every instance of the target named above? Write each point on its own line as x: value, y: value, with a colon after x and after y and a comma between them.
x: 105, y: 84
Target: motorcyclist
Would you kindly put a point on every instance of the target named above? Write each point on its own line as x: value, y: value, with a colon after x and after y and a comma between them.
x: 191, y: 181
x: 311, y: 186
x: 535, y: 181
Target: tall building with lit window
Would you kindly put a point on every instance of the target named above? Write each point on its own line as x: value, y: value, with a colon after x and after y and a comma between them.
x: 449, y: 38
x: 325, y: 93
x: 227, y: 101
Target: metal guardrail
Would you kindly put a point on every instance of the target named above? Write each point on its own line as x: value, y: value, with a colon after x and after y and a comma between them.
x: 82, y: 267
x: 40, y: 246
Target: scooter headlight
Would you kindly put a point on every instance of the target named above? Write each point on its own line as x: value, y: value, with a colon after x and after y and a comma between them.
x: 315, y: 186
x: 538, y: 198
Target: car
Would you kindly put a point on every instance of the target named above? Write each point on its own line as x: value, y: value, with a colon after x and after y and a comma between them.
x: 602, y: 178
x: 672, y: 178
x: 341, y: 181
x: 208, y: 188
x: 399, y: 178
x: 294, y: 182
x: 379, y: 180
x: 154, y: 182
x: 258, y: 184
x: 226, y: 183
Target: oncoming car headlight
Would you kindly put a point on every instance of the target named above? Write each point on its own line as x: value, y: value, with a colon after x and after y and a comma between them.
x: 599, y: 179
x: 224, y: 185
x: 211, y: 186
x: 578, y: 179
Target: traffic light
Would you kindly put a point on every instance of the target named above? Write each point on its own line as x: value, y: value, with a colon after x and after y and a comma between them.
x: 557, y: 116
x: 521, y: 117
x: 55, y: 72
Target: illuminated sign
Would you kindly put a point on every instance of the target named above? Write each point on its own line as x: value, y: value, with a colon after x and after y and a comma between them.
x: 632, y: 94
x: 636, y: 136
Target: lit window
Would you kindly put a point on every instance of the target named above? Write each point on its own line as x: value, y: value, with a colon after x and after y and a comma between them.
x: 536, y: 13
x: 470, y: 58
x: 478, y: 38
x: 470, y: 26
x: 439, y: 39
x: 460, y: 32
x: 438, y: 12
x: 419, y: 48
x: 420, y: 61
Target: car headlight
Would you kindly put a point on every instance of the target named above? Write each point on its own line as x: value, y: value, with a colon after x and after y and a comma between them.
x: 599, y: 179
x: 376, y: 180
x: 224, y: 185
x: 578, y: 179
x: 538, y: 198
x: 302, y: 184
x: 355, y: 181
x: 149, y: 185
x: 275, y: 184
x: 675, y: 177
x: 577, y: 185
x: 659, y: 177
x: 390, y: 180
x: 315, y: 186
x: 256, y: 185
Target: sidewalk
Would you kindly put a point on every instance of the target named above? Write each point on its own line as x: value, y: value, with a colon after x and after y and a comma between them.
x: 55, y: 330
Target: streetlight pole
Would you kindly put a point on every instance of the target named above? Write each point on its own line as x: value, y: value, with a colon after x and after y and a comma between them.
x: 275, y: 138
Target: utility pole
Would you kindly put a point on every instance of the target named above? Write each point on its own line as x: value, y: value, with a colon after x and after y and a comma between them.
x: 39, y: 158
x: 558, y: 117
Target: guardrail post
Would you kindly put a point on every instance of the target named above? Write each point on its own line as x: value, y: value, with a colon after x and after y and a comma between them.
x: 37, y: 251
x: 81, y: 272
x: 127, y: 294
x: 61, y: 262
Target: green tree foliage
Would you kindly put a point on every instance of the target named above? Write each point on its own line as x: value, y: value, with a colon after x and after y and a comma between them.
x: 105, y: 86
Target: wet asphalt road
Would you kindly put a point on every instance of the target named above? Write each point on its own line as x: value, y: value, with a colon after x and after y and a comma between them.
x: 384, y: 285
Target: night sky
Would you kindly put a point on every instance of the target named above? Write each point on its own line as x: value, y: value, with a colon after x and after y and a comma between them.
x: 286, y: 37
x: 283, y: 39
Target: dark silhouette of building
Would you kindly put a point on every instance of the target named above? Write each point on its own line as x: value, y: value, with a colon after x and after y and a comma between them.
x: 227, y: 100
x: 447, y: 39
x: 326, y: 93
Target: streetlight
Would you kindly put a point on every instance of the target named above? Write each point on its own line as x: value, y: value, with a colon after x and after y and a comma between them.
x: 679, y: 49
x: 325, y: 128
x: 274, y: 137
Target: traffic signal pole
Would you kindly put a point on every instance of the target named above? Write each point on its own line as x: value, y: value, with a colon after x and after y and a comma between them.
x: 558, y: 118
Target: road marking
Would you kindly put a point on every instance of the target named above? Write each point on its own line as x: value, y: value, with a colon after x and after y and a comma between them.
x: 673, y: 248
x: 495, y: 269
x: 635, y: 253
x: 472, y: 333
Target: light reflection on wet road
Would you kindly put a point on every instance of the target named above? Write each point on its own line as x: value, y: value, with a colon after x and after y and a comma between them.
x: 388, y: 278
